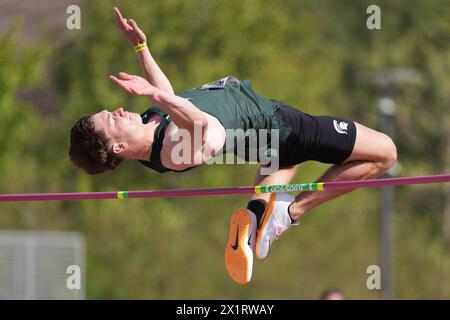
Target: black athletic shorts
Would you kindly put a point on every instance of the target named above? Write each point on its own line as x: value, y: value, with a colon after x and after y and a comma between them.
x: 319, y: 138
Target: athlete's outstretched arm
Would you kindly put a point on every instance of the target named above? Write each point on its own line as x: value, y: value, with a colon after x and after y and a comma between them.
x: 183, y: 112
x: 136, y: 36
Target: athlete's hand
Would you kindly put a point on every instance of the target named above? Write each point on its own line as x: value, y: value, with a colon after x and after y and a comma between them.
x: 134, y: 84
x: 129, y: 29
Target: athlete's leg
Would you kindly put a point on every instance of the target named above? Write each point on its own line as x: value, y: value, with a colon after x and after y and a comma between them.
x: 373, y: 154
x: 281, y: 176
x: 243, y: 227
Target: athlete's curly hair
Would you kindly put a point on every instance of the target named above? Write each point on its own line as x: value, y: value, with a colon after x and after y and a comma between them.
x: 88, y: 148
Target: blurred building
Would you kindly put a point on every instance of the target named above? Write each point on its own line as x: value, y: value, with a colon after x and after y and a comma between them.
x: 39, y: 265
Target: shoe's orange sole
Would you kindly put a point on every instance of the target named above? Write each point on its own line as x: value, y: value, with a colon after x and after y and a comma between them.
x: 238, y: 262
x: 264, y: 219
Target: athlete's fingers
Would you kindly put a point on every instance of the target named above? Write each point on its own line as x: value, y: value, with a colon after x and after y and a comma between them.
x: 121, y: 22
x: 127, y: 25
x: 119, y: 19
x: 125, y: 76
x: 134, y: 25
x: 138, y: 30
x: 117, y: 81
x: 114, y: 79
x: 118, y: 13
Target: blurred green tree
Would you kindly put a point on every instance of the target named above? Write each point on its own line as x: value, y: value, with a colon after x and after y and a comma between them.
x: 310, y: 54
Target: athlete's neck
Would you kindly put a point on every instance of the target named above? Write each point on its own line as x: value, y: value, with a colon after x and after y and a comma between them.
x: 143, y: 146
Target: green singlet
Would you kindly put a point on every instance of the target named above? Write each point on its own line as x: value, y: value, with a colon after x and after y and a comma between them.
x: 234, y: 103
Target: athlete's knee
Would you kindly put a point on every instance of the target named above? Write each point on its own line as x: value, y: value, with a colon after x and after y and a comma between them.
x: 391, y: 152
x: 388, y: 154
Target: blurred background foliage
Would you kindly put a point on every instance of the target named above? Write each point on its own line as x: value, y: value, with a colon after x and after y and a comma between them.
x: 310, y: 54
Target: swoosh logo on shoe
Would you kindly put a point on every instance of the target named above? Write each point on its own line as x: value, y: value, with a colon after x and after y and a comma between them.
x: 236, y: 244
x: 249, y: 238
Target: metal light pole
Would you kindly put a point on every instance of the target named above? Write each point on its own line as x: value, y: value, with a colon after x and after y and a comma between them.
x: 386, y: 107
x: 386, y: 82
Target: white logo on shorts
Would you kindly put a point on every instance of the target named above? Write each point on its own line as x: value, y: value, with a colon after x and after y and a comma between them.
x: 341, y: 127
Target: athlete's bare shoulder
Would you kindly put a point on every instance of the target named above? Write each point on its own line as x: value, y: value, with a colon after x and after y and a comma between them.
x: 180, y: 148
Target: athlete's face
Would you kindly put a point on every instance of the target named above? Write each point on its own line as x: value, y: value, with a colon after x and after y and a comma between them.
x: 119, y: 126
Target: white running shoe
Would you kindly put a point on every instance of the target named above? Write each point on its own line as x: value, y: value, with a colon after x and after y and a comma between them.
x: 240, y: 246
x: 274, y: 222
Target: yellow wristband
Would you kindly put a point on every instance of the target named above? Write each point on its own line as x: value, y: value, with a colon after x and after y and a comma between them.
x: 140, y: 47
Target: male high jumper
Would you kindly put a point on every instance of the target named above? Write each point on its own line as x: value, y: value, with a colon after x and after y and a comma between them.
x: 206, y: 115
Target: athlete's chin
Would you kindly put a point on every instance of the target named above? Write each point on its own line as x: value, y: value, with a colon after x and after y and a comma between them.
x: 131, y: 117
